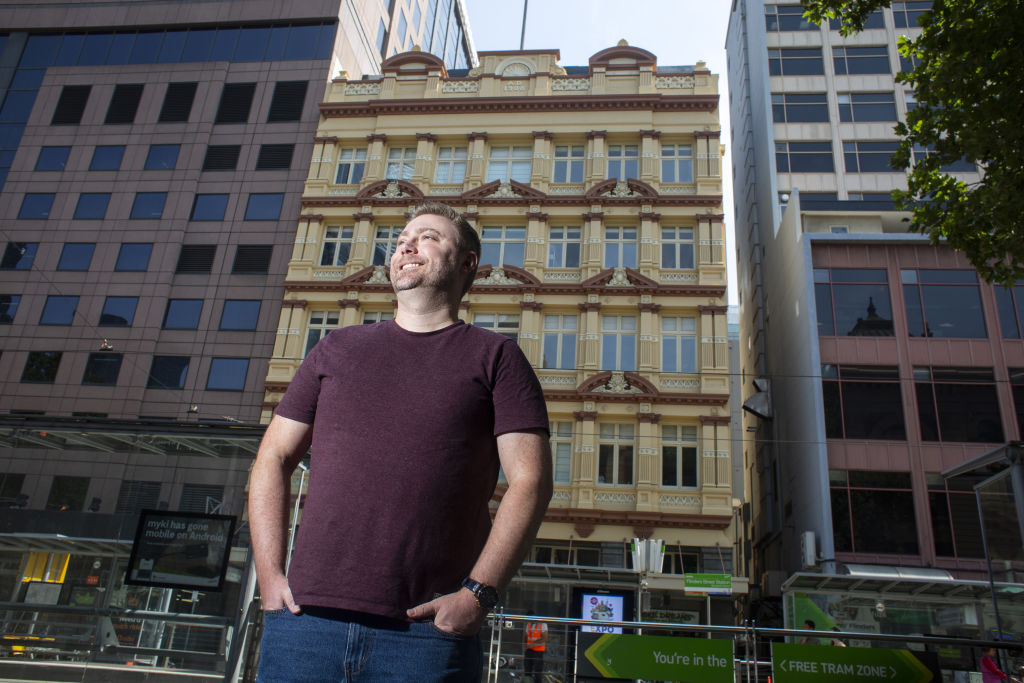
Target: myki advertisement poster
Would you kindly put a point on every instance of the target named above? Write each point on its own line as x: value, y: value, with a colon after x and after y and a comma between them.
x: 602, y: 607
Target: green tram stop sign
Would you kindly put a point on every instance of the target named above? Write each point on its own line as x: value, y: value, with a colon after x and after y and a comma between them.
x: 656, y: 658
x: 793, y: 663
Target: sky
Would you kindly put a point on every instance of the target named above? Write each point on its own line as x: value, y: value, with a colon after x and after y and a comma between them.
x: 678, y: 32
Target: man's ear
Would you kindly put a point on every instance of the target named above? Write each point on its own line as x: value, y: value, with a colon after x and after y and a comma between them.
x: 470, y: 261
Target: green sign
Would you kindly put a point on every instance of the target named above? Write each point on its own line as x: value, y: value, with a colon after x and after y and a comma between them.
x: 815, y: 663
x: 659, y: 658
x: 708, y: 583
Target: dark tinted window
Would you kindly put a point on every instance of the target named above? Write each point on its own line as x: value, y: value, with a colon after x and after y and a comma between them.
x: 196, y: 258
x: 235, y: 102
x: 286, y: 104
x: 67, y: 493
x: 106, y: 158
x: 59, y: 310
x: 41, y: 366
x: 92, y: 205
x: 148, y: 205
x: 182, y: 314
x: 178, y: 102
x: 119, y: 311
x: 264, y: 207
x: 52, y: 158
x: 133, y: 257
x: 862, y: 403
x: 958, y: 404
x: 209, y: 207
x: 71, y: 105
x: 240, y: 314
x: 76, y: 256
x: 124, y: 103
x: 252, y: 258
x: 168, y: 372
x: 36, y: 205
x: 275, y: 157
x: 227, y: 374
x: 221, y: 157
x: 8, y: 307
x: 18, y: 255
x: 943, y: 303
x: 162, y: 157
x: 102, y: 369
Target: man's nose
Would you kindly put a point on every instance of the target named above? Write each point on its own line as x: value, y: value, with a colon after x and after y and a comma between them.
x: 409, y: 245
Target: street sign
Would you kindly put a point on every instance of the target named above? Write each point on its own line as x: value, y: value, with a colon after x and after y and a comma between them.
x: 659, y: 658
x: 793, y: 663
x: 716, y: 584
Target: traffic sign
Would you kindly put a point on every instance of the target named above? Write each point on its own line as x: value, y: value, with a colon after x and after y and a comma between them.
x: 793, y: 663
x: 659, y: 658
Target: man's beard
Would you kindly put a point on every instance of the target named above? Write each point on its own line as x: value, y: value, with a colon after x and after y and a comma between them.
x: 440, y: 277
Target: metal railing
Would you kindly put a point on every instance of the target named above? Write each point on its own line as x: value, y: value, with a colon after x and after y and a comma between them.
x: 505, y: 651
x: 33, y: 635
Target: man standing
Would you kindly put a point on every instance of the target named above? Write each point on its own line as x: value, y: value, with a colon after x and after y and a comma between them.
x: 396, y: 563
x: 536, y: 641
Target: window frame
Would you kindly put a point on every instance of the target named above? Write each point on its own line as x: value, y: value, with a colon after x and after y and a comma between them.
x: 336, y: 245
x: 351, y: 166
x: 108, y: 311
x: 510, y: 241
x: 508, y: 162
x: 450, y: 167
x: 679, y: 242
x: 621, y: 246
x: 59, y: 310
x: 162, y: 157
x: 562, y: 338
x: 568, y: 164
x: 400, y: 163
x: 677, y: 162
x: 613, y: 445
x: 677, y: 349
x: 565, y: 246
x: 623, y: 157
x: 681, y: 443
x: 623, y: 336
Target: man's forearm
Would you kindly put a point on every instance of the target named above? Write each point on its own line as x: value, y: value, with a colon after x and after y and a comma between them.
x: 515, y: 527
x: 269, y: 494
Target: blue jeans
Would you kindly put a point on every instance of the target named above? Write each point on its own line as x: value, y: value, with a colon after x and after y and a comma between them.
x: 335, y: 646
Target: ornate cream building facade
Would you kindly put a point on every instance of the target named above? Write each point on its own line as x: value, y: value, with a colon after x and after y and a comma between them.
x: 598, y: 196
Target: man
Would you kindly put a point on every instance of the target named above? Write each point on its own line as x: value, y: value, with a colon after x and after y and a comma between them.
x: 396, y: 563
x: 808, y: 640
x: 536, y: 640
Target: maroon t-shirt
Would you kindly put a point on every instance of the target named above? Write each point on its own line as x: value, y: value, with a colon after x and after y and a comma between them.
x: 403, y: 461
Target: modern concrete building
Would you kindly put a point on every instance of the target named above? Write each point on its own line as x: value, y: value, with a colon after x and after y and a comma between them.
x: 887, y: 361
x: 597, y: 193
x: 152, y: 161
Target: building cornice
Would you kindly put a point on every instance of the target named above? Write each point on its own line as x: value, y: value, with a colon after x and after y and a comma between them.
x: 481, y: 105
x: 634, y: 518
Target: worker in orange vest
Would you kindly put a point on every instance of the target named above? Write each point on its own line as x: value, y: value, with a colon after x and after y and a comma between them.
x: 536, y: 638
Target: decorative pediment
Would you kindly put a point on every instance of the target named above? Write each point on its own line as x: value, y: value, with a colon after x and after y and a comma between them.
x: 623, y: 55
x: 390, y: 189
x: 414, y: 60
x: 621, y: 189
x: 619, y: 277
x: 371, y: 275
x: 609, y: 382
x: 497, y: 189
x: 504, y: 276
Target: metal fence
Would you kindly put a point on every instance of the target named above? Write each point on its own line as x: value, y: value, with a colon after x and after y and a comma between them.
x: 36, y: 639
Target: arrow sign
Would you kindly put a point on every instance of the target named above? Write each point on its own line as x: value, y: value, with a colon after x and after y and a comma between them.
x: 660, y: 658
x: 793, y: 663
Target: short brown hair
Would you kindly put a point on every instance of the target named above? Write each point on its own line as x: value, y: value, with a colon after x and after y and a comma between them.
x: 469, y: 239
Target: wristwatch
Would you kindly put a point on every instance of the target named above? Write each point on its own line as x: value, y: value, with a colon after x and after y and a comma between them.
x: 486, y: 596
